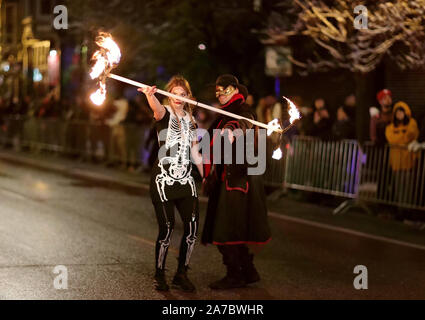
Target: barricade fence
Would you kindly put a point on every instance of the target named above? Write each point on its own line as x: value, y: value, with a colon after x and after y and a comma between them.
x: 323, y: 166
x: 126, y: 143
x: 389, y: 175
x: 393, y: 175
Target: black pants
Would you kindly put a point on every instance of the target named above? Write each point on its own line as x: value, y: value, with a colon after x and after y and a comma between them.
x: 236, y: 258
x: 188, y: 209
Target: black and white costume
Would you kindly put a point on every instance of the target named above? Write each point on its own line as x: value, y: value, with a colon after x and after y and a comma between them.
x: 237, y: 211
x: 173, y: 186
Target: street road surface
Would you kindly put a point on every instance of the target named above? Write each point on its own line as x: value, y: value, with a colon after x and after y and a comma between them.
x: 105, y: 237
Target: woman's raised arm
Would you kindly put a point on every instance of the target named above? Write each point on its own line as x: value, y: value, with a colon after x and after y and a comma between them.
x: 157, y: 108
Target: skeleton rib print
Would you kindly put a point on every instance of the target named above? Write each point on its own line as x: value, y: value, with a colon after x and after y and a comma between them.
x: 179, y: 168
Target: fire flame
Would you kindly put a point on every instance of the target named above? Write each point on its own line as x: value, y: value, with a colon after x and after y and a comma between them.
x: 273, y: 125
x: 113, y: 52
x: 277, y: 154
x: 294, y: 114
x: 99, y: 96
x: 106, y: 58
x: 100, y: 65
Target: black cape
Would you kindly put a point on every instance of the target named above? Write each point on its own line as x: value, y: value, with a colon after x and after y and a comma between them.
x: 236, y: 211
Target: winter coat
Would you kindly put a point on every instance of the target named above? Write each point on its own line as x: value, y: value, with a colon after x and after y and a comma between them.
x: 236, y: 211
x: 399, y: 136
x: 378, y: 124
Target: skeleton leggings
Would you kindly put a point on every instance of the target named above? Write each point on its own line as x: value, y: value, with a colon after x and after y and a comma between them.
x: 188, y: 209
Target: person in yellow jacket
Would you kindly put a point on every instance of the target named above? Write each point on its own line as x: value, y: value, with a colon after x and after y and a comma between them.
x: 402, y: 130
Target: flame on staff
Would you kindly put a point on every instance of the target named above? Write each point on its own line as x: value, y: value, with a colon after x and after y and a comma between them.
x: 273, y: 125
x: 106, y: 58
x: 100, y: 65
x: 108, y: 55
x: 113, y: 52
x: 294, y: 114
x: 277, y: 154
x: 99, y: 96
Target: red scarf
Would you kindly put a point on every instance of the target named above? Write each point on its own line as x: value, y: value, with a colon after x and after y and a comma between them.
x: 207, y: 166
x: 234, y: 98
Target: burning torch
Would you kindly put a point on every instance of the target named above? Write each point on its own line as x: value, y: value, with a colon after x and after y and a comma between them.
x: 107, y: 58
x: 294, y: 115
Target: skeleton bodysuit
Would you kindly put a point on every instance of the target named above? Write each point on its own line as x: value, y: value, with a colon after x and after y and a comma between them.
x: 172, y: 185
x: 172, y: 173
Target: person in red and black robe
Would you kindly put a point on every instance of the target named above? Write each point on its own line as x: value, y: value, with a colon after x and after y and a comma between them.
x: 236, y: 212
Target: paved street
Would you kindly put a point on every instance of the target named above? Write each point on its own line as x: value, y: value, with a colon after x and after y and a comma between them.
x: 105, y: 236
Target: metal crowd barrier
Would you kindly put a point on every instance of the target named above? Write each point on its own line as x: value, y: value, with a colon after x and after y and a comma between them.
x: 393, y: 175
x: 89, y: 140
x: 330, y: 167
x: 390, y: 175
x: 365, y: 173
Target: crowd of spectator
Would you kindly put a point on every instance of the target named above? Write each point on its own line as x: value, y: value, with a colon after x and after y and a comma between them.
x: 121, y: 133
x: 116, y: 133
x: 319, y: 121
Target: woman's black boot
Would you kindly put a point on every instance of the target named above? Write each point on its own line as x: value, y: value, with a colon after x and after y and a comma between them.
x: 161, y: 282
x: 182, y: 282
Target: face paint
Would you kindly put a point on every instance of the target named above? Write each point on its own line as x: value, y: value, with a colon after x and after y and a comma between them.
x: 220, y: 91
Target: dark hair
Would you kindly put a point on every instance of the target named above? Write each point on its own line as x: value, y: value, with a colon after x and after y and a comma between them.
x: 405, y: 120
x: 226, y: 80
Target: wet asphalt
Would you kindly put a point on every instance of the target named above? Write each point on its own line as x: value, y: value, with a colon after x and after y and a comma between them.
x: 104, y: 236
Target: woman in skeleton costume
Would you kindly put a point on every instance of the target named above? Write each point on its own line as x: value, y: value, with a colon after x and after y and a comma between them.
x: 172, y: 183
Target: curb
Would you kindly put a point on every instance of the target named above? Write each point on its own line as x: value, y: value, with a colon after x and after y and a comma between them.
x: 79, y: 173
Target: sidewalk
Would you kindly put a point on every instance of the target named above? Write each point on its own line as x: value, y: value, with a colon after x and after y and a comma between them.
x: 77, y: 169
x: 283, y: 209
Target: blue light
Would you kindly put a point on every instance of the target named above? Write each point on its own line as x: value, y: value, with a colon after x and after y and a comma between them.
x: 37, y: 76
x: 277, y: 86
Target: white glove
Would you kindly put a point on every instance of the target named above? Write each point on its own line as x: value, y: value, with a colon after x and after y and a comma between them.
x: 414, y: 146
x: 374, y: 111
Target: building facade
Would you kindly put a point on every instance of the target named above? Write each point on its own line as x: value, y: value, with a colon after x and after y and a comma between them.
x: 29, y: 49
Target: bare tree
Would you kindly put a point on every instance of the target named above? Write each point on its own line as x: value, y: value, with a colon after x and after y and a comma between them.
x: 160, y: 38
x: 395, y: 29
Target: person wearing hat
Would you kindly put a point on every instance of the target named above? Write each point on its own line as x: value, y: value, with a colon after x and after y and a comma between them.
x: 236, y: 212
x: 381, y: 118
x: 402, y: 130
